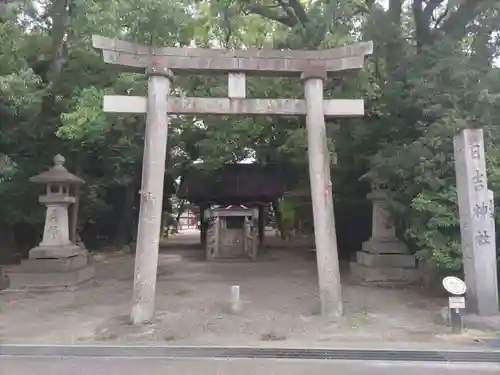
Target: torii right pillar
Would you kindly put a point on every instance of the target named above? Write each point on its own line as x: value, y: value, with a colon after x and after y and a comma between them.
x: 322, y: 199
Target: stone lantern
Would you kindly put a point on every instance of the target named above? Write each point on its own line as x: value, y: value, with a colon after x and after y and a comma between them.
x: 56, y: 261
x: 384, y: 259
x: 383, y: 229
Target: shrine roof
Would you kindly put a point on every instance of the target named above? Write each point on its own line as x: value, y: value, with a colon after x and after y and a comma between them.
x: 234, y: 184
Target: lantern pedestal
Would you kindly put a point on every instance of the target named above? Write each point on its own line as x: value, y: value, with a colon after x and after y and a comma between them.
x: 384, y: 260
x: 56, y: 261
x: 38, y: 279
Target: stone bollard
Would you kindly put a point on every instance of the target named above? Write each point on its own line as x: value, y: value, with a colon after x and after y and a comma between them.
x: 235, y: 299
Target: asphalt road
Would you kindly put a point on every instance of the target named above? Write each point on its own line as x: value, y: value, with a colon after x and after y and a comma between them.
x: 155, y: 366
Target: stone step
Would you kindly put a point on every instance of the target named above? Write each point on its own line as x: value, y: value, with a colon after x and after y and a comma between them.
x: 32, y: 280
x: 55, y: 265
x: 389, y: 246
x: 386, y: 260
x: 384, y: 275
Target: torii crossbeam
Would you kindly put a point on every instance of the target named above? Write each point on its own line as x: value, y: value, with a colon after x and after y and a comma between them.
x: 232, y: 106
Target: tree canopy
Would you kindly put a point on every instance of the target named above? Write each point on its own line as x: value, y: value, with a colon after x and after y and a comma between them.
x: 434, y: 71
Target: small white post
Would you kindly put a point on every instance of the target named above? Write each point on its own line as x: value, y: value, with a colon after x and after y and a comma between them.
x: 235, y: 299
x: 236, y: 85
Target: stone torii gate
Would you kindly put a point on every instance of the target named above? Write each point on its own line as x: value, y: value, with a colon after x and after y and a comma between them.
x: 160, y: 65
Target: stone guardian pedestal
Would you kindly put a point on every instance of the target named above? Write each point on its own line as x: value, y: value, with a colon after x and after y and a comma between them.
x: 56, y: 261
x: 384, y: 260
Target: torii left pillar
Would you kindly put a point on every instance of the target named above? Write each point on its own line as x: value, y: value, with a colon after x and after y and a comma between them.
x: 153, y: 172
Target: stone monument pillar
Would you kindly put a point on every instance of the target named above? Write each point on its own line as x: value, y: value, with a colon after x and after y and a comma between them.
x: 384, y: 259
x: 56, y: 261
x: 477, y: 223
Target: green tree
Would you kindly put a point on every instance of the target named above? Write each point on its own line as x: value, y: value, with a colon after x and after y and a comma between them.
x: 432, y: 73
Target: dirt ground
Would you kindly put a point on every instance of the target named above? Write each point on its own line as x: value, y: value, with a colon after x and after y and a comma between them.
x: 281, y: 306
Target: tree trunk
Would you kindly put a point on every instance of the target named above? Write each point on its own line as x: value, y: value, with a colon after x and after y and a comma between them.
x: 124, y: 232
x: 262, y: 225
x: 279, y: 219
x: 181, y: 210
x: 9, y: 253
x: 203, y: 225
x: 395, y: 43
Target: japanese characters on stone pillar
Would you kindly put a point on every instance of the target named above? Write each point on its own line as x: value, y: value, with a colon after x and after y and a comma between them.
x: 477, y: 227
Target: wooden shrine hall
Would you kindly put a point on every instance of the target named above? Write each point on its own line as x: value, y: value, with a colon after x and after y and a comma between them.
x: 233, y: 201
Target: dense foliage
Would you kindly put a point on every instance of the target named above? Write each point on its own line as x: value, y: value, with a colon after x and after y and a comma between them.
x: 432, y: 72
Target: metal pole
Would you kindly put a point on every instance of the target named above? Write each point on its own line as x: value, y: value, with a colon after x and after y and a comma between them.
x: 322, y: 199
x: 456, y: 321
x: 153, y: 171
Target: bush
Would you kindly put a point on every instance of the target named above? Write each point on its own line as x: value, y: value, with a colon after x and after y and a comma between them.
x: 434, y: 227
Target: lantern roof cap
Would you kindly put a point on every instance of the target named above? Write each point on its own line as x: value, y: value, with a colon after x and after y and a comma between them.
x: 57, y: 174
